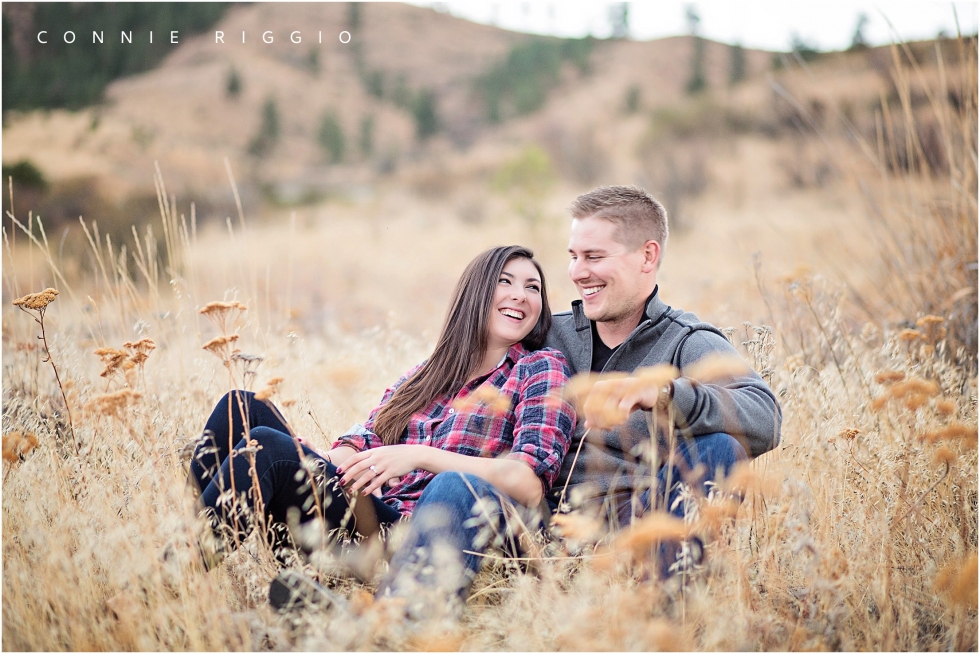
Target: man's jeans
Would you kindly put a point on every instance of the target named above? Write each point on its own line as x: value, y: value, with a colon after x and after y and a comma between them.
x: 460, y: 515
x: 284, y: 482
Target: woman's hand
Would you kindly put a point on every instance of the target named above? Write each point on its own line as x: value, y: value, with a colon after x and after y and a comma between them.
x: 367, y: 471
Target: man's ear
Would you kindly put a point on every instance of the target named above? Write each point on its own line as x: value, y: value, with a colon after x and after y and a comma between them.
x: 651, y: 256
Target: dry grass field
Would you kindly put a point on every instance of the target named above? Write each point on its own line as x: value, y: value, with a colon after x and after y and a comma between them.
x: 859, y: 532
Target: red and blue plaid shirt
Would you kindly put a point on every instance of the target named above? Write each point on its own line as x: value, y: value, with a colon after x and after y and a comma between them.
x: 536, y: 429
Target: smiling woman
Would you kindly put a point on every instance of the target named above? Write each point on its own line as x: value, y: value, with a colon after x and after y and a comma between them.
x: 485, y: 407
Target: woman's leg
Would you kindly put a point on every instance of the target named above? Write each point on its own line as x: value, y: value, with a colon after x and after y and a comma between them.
x: 284, y: 486
x: 234, y: 414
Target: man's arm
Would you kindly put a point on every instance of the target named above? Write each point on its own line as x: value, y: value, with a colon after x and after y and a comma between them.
x: 743, y: 407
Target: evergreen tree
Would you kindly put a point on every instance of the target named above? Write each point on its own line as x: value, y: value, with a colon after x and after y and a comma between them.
x: 696, y: 82
x: 269, y: 130
x: 331, y: 137
x: 233, y: 87
x: 736, y: 64
x: 424, y: 112
x: 366, y: 140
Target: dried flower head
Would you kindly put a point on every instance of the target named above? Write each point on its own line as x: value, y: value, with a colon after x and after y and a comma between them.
x: 654, y: 528
x: 909, y: 335
x: 114, y: 360
x: 889, y: 376
x: 954, y: 432
x: 113, y: 405
x: 220, y: 346
x: 345, y: 376
x: 712, y: 516
x: 37, y: 301
x: 959, y: 581
x: 577, y: 526
x: 945, y: 407
x: 17, y: 445
x: 744, y: 478
x: 715, y: 367
x: 270, y: 389
x: 220, y: 312
x: 933, y: 326
x: 486, y: 395
x: 849, y: 433
x: 944, y: 456
x: 140, y: 350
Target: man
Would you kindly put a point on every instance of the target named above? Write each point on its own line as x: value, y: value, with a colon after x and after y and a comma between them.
x: 617, y: 243
x: 617, y: 239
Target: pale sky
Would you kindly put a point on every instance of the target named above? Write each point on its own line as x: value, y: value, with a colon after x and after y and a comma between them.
x: 763, y: 24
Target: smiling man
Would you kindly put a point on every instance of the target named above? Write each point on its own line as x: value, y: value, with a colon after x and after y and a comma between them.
x: 621, y: 324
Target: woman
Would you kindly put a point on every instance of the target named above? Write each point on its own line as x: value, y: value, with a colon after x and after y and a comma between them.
x: 429, y: 422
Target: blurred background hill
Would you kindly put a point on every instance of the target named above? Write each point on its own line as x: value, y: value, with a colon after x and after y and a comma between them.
x: 435, y: 123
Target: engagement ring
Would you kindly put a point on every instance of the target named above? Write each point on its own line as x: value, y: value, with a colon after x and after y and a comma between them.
x: 373, y: 469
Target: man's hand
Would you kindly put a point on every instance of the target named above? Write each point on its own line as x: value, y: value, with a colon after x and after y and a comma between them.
x: 611, y: 400
x: 367, y: 471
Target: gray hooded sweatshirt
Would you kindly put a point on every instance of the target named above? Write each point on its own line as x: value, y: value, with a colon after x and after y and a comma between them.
x: 612, y: 462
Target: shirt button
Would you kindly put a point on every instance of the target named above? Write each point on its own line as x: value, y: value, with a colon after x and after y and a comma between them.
x: 452, y: 411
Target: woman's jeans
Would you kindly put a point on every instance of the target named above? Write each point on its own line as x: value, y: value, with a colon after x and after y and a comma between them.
x: 284, y: 482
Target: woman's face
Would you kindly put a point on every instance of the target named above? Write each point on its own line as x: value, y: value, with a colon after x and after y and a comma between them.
x: 516, y: 303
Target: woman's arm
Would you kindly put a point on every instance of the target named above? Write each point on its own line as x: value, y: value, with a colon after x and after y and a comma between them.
x: 544, y: 423
x: 511, y: 476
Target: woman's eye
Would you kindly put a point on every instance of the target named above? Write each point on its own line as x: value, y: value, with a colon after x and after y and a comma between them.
x: 503, y: 280
x: 534, y: 287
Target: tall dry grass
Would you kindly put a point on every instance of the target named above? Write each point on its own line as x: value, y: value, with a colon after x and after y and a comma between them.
x: 858, y: 532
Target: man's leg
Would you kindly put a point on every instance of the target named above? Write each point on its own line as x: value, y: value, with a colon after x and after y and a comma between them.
x: 458, y: 517
x: 696, y: 462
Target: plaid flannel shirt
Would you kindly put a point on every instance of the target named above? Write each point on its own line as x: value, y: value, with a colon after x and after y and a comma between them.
x: 536, y: 429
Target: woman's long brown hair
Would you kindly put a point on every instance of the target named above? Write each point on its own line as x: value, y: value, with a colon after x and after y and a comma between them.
x: 463, y: 342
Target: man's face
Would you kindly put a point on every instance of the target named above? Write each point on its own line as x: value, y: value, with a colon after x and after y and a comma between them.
x: 612, y: 280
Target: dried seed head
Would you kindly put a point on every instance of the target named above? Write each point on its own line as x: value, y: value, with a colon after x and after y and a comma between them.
x: 270, y: 389
x: 114, y: 405
x: 889, y: 376
x: 953, y: 432
x: 112, y: 359
x: 713, y: 515
x: 37, y: 301
x: 140, y: 350
x: 221, y: 308
x: 933, y: 327
x: 959, y: 580
x: 654, y: 528
x: 220, y: 346
x: 909, y: 335
x: 715, y: 367
x: 576, y: 526
x: 486, y: 395
x: 944, y: 456
x: 945, y: 407
x: 849, y: 433
x: 17, y: 445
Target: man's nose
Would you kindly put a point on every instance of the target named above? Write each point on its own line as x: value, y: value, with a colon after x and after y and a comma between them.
x: 577, y: 270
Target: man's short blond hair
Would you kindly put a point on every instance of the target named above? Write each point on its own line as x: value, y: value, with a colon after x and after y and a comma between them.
x: 637, y: 215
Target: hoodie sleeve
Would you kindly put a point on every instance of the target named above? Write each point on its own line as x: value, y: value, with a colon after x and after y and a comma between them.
x: 744, y: 407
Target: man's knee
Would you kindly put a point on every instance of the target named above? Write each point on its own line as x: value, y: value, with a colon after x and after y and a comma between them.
x: 719, y: 452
